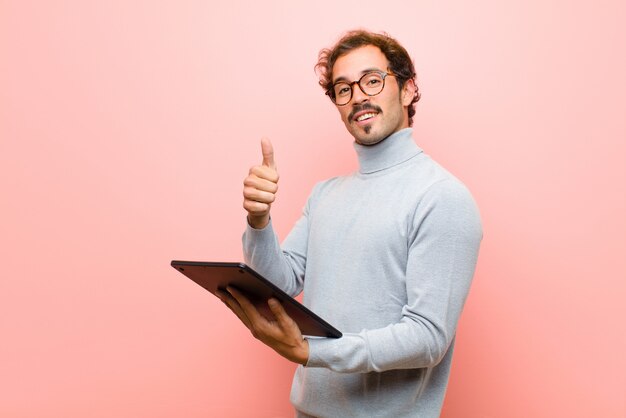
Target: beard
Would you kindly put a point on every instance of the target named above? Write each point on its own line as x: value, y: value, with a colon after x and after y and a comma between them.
x: 357, y: 131
x: 381, y: 126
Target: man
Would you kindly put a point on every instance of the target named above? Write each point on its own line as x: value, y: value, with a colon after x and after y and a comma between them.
x: 386, y: 254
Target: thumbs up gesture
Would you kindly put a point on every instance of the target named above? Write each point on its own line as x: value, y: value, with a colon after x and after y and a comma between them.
x: 260, y: 187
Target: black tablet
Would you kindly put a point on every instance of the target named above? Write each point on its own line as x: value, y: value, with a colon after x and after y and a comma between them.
x: 217, y: 275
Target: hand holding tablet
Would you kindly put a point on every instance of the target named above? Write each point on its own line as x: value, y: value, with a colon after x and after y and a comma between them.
x: 214, y: 276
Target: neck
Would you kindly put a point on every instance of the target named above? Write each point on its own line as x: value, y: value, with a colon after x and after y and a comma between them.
x: 395, y: 149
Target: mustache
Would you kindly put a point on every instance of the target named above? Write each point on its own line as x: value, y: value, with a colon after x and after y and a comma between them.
x: 360, y: 108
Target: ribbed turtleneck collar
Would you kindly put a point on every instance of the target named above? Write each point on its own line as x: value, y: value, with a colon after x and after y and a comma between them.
x: 395, y: 149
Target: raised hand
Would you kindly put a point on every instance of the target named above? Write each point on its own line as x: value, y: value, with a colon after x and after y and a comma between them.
x: 260, y: 187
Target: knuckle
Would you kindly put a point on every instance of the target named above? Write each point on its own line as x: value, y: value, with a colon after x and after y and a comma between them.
x: 248, y: 192
x: 257, y: 207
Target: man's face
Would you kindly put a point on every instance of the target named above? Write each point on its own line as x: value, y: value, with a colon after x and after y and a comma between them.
x: 370, y: 119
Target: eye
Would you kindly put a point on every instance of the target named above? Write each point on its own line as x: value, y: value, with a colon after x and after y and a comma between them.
x: 373, y: 81
x: 342, y: 89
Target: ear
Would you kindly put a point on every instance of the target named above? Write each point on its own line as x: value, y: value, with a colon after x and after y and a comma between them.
x: 408, y: 92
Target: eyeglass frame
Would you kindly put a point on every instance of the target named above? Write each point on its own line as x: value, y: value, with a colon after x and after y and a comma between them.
x: 331, y: 95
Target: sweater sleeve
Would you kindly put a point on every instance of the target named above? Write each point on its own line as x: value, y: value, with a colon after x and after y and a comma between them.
x: 262, y: 251
x: 443, y: 249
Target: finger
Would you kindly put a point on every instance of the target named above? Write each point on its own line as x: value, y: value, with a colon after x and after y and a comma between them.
x: 221, y: 295
x: 233, y: 305
x: 256, y: 195
x: 284, y: 320
x: 262, y: 183
x: 268, y: 153
x: 246, y: 306
x: 256, y: 208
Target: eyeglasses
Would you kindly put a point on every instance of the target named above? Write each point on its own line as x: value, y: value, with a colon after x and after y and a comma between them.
x: 371, y: 83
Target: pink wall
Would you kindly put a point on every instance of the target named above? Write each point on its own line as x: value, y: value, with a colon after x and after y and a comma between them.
x: 126, y: 129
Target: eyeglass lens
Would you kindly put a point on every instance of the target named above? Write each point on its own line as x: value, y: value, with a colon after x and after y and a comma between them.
x: 370, y: 84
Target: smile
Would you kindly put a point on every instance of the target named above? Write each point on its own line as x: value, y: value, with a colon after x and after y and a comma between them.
x: 365, y: 116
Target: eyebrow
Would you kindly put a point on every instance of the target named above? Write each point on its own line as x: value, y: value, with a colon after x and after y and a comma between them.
x: 367, y: 70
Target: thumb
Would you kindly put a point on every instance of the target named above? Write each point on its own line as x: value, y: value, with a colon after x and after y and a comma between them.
x: 268, y: 153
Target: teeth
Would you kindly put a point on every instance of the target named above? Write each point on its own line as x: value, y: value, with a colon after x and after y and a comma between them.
x: 366, y: 116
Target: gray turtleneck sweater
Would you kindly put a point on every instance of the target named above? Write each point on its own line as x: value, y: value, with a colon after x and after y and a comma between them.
x: 387, y: 256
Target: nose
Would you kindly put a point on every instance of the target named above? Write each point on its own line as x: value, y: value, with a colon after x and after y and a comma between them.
x: 357, y: 94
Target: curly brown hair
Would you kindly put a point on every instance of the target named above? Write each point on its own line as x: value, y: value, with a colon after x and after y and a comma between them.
x: 400, y: 62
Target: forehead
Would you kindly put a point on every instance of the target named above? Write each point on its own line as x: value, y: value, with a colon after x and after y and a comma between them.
x: 353, y: 64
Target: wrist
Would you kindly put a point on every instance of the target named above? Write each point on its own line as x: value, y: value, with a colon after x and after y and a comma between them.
x: 258, y: 222
x: 303, y: 358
